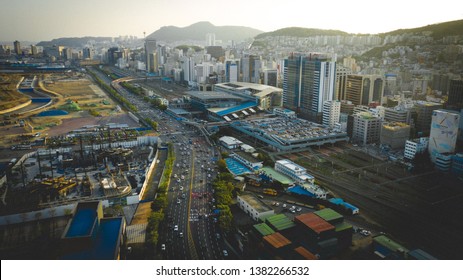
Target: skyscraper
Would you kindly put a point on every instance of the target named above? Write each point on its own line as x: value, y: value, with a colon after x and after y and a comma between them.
x: 210, y: 39
x: 250, y: 69
x: 150, y: 50
x: 308, y: 82
x: 17, y: 47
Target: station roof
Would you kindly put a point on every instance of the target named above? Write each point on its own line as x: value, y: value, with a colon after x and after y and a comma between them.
x: 238, y: 108
x: 212, y: 95
x: 277, y: 176
x: 314, y: 222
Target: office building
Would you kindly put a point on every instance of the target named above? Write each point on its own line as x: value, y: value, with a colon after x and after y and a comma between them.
x: 251, y: 66
x: 424, y: 111
x: 308, y: 82
x: 271, y: 77
x: 443, y: 134
x: 366, y: 128
x: 331, y: 112
x: 455, y: 100
x: 364, y: 89
x: 150, y: 55
x: 88, y: 53
x: 232, y: 67
x: 394, y: 134
x: 441, y: 83
x: 398, y: 114
x: 34, y: 50
x: 341, y: 80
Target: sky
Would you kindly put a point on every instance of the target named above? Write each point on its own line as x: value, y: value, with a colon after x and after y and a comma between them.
x: 38, y: 20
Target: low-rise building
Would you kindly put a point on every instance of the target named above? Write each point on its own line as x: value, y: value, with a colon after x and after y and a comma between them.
x: 230, y: 142
x: 247, y: 160
x: 294, y: 171
x: 394, y: 134
x: 254, y: 207
x: 415, y: 146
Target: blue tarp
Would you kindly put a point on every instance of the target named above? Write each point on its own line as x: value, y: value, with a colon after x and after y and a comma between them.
x: 243, y: 106
x: 301, y: 191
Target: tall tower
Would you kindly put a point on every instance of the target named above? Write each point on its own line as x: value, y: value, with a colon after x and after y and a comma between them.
x: 210, y: 39
x: 456, y: 94
x: 150, y: 55
x: 331, y: 112
x: 308, y: 82
x: 17, y: 47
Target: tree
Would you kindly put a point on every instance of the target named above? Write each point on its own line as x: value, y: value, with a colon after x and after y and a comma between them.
x: 222, y: 165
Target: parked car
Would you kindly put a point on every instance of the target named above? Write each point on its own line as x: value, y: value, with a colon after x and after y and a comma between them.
x: 225, y: 253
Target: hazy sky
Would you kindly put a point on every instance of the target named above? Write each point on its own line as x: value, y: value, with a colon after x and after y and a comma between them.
x: 36, y: 20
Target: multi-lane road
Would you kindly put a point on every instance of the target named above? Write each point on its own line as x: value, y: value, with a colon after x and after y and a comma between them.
x: 190, y: 230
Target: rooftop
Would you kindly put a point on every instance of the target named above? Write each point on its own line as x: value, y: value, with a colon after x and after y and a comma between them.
x: 329, y: 214
x: 277, y: 240
x: 306, y: 254
x: 389, y: 243
x: 277, y: 176
x: 280, y: 222
x: 290, y: 165
x: 264, y: 229
x: 252, y: 200
x: 211, y: 95
x: 284, y: 130
x: 314, y: 222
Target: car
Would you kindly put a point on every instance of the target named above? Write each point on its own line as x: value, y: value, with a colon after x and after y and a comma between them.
x: 284, y: 206
x: 365, y: 232
x: 217, y: 235
x: 260, y: 196
x: 163, y: 247
x: 292, y: 211
x: 181, y: 188
x: 183, y: 195
x: 215, y: 220
x: 298, y: 209
x: 277, y: 204
x: 178, y: 201
x: 225, y: 253
x: 176, y: 228
x: 180, y: 234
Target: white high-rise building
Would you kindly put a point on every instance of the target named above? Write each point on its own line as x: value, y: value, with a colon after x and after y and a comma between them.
x: 210, y: 39
x: 415, y: 146
x: 331, y: 112
x: 444, y: 132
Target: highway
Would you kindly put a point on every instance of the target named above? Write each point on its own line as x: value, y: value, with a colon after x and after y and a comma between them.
x: 190, y: 230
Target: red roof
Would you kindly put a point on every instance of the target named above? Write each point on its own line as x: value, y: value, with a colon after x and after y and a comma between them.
x: 277, y: 240
x: 314, y: 222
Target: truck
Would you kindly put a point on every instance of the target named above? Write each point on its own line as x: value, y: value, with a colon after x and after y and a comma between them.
x: 270, y: 192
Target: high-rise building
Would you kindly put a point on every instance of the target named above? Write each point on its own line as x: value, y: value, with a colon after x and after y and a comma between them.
x: 364, y: 89
x: 271, y: 77
x: 251, y: 67
x: 150, y: 50
x: 67, y: 53
x: 341, y: 80
x: 231, y: 70
x: 441, y: 83
x: 444, y: 131
x: 398, y: 114
x: 424, y: 114
x: 308, y: 82
x: 88, y: 53
x: 331, y: 112
x: 210, y: 39
x: 34, y: 50
x: 366, y: 128
x: 455, y: 100
x: 17, y: 47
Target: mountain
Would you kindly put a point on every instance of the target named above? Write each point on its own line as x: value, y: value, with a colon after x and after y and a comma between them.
x: 74, y: 42
x: 300, y: 32
x: 199, y: 30
x: 437, y: 31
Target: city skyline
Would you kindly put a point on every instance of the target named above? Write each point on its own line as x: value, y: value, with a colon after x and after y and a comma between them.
x: 54, y: 19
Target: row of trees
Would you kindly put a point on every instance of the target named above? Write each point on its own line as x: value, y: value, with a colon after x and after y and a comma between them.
x: 160, y: 202
x: 151, y: 123
x: 223, y: 192
x: 113, y: 93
